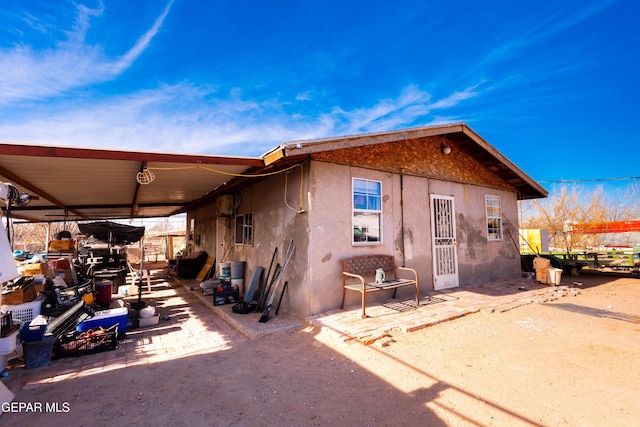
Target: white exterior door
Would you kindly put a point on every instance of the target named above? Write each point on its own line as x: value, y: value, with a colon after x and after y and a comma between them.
x: 443, y: 230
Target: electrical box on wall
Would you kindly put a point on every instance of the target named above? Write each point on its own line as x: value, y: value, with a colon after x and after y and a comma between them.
x: 224, y: 205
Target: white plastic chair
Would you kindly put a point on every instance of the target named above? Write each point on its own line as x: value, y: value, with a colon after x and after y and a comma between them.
x: 134, y: 276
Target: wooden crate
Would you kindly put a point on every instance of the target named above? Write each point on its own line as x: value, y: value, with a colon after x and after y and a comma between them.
x: 19, y: 296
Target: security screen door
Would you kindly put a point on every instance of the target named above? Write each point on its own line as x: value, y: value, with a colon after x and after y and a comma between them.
x: 443, y: 230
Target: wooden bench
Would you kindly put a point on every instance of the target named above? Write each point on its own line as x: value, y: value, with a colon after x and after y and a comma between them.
x: 358, y: 274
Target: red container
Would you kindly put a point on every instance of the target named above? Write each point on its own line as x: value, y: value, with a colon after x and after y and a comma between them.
x: 103, y: 292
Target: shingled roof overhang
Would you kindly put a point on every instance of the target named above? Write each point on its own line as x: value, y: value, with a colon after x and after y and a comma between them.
x: 460, y: 134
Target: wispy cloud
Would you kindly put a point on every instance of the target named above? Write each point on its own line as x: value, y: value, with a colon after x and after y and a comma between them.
x: 412, y: 106
x: 126, y: 60
x: 158, y: 120
x: 214, y: 122
x: 27, y: 74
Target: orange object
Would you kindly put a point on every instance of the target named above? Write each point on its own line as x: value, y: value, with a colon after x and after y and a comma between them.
x: 606, y: 227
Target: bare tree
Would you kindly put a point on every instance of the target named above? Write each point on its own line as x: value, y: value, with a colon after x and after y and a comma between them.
x: 574, y: 206
x: 33, y: 236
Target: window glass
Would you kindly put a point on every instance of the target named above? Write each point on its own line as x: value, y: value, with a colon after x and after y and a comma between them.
x: 367, y: 211
x: 244, y: 229
x: 494, y: 217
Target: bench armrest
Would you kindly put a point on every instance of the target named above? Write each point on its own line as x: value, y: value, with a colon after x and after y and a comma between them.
x: 355, y: 276
x: 415, y: 273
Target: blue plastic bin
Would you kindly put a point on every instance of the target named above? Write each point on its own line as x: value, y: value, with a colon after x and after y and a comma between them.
x: 33, y: 332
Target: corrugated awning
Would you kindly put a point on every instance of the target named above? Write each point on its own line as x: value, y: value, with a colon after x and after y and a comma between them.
x: 88, y: 184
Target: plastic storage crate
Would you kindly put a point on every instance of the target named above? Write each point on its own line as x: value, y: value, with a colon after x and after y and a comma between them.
x: 87, y: 343
x: 38, y: 353
x: 12, y: 340
x: 24, y: 312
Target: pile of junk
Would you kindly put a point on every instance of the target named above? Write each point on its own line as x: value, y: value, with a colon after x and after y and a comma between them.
x: 73, y: 301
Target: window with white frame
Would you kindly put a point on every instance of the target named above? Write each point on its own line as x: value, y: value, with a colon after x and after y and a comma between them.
x: 494, y: 217
x: 367, y: 211
x: 244, y: 229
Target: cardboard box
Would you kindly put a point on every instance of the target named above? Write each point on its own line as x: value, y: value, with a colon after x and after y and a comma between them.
x: 39, y: 287
x: 542, y: 276
x: 62, y: 245
x: 36, y: 269
x: 541, y: 263
x: 66, y: 274
x: 60, y: 264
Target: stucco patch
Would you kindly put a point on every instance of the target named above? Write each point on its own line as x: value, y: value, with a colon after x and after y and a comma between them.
x: 327, y: 257
x: 470, y: 237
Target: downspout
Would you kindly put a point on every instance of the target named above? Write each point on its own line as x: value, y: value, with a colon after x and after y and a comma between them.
x: 402, y: 215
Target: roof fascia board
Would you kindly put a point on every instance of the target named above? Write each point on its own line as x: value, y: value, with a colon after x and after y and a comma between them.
x: 318, y: 145
x: 102, y: 154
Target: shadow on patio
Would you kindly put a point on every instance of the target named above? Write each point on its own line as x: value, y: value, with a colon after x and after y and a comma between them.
x: 435, y: 307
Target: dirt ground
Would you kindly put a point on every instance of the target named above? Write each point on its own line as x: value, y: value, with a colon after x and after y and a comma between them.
x: 573, y: 361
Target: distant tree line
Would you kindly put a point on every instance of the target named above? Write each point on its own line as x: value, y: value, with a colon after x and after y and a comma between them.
x: 32, y: 237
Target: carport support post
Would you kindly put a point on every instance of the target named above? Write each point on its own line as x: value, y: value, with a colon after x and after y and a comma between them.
x: 139, y: 305
x: 48, y: 237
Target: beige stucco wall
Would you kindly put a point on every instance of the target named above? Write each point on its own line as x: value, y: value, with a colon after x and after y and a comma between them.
x: 275, y: 225
x: 322, y: 234
x: 330, y: 230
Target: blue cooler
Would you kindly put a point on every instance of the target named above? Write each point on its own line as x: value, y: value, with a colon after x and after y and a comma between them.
x: 106, y: 319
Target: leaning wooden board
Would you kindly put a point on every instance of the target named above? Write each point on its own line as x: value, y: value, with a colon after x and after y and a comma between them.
x: 206, y: 268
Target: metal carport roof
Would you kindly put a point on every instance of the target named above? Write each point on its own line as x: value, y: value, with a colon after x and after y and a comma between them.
x: 87, y: 184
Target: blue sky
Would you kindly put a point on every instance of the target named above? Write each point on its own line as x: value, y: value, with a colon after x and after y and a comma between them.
x: 552, y: 85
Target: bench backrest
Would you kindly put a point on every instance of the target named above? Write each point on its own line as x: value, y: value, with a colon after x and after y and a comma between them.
x: 366, y: 265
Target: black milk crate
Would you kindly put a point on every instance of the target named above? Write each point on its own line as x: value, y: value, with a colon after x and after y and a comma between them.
x: 87, y: 342
x: 226, y: 294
